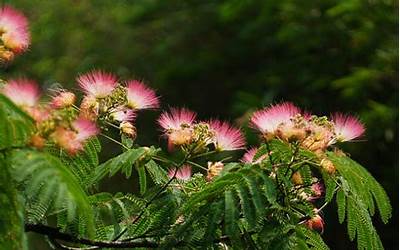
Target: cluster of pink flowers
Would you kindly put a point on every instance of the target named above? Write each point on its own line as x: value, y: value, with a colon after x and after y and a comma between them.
x: 61, y: 122
x: 287, y: 122
x: 182, y: 130
x: 14, y: 33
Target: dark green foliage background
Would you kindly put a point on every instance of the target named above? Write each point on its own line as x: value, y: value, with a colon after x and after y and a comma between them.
x: 227, y: 58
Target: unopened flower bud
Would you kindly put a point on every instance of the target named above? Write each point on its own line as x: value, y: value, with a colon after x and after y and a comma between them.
x: 89, y: 108
x: 128, y: 129
x: 297, y: 179
x: 328, y: 166
x: 316, y: 223
x: 37, y: 141
x: 180, y: 137
x: 63, y: 100
x: 214, y: 168
x: 6, y: 55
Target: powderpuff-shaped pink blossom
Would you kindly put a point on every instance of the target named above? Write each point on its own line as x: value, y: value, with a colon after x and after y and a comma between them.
x: 226, y: 136
x: 122, y: 114
x: 176, y: 118
x: 268, y: 119
x: 347, y: 127
x: 97, y: 83
x: 248, y: 157
x: 139, y: 96
x: 67, y: 139
x: 84, y: 128
x: 22, y: 92
x: 14, y: 29
x: 39, y: 113
x: 63, y: 99
x: 184, y: 173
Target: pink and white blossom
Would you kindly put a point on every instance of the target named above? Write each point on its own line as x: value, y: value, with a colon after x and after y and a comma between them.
x: 139, y: 96
x: 176, y: 118
x: 347, y: 127
x: 97, y: 83
x: 184, y: 173
x: 67, y: 140
x: 122, y: 114
x: 268, y: 119
x: 227, y: 137
x: 84, y: 128
x: 23, y: 92
x: 248, y: 157
x: 14, y: 29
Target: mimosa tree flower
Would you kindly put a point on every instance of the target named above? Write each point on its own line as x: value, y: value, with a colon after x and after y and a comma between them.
x: 139, y: 96
x: 176, y: 119
x: 184, y: 173
x: 226, y: 136
x: 122, y: 114
x: 268, y: 119
x: 347, y: 127
x: 23, y: 92
x: 67, y: 140
x: 97, y: 83
x: 84, y: 129
x: 177, y: 126
x: 13, y: 31
x: 63, y: 99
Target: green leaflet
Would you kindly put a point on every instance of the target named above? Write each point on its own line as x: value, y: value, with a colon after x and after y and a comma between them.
x: 361, y: 183
x: 123, y: 162
x: 355, y: 200
x: 46, y: 177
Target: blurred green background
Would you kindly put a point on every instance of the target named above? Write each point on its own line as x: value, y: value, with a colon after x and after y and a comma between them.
x: 227, y: 58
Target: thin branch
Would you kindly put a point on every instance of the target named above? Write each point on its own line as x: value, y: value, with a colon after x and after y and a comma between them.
x: 55, y: 233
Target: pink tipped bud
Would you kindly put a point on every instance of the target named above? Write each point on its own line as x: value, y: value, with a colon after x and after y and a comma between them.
x: 139, y: 96
x: 128, y: 129
x: 226, y: 136
x: 268, y: 119
x: 316, y: 223
x: 347, y: 127
x: 63, y: 100
x: 89, y: 108
x: 22, y: 92
x: 214, y: 169
x: 37, y: 141
x: 97, y: 83
x: 184, y: 173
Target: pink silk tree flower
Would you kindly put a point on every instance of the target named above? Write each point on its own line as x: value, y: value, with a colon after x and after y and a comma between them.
x: 184, y: 173
x: 67, y: 140
x: 248, y: 157
x: 84, y: 129
x: 176, y: 119
x: 14, y: 29
x: 97, y: 83
x: 139, y: 96
x: 227, y: 137
x: 268, y: 119
x: 122, y: 114
x: 347, y: 127
x: 63, y: 99
x: 22, y: 92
